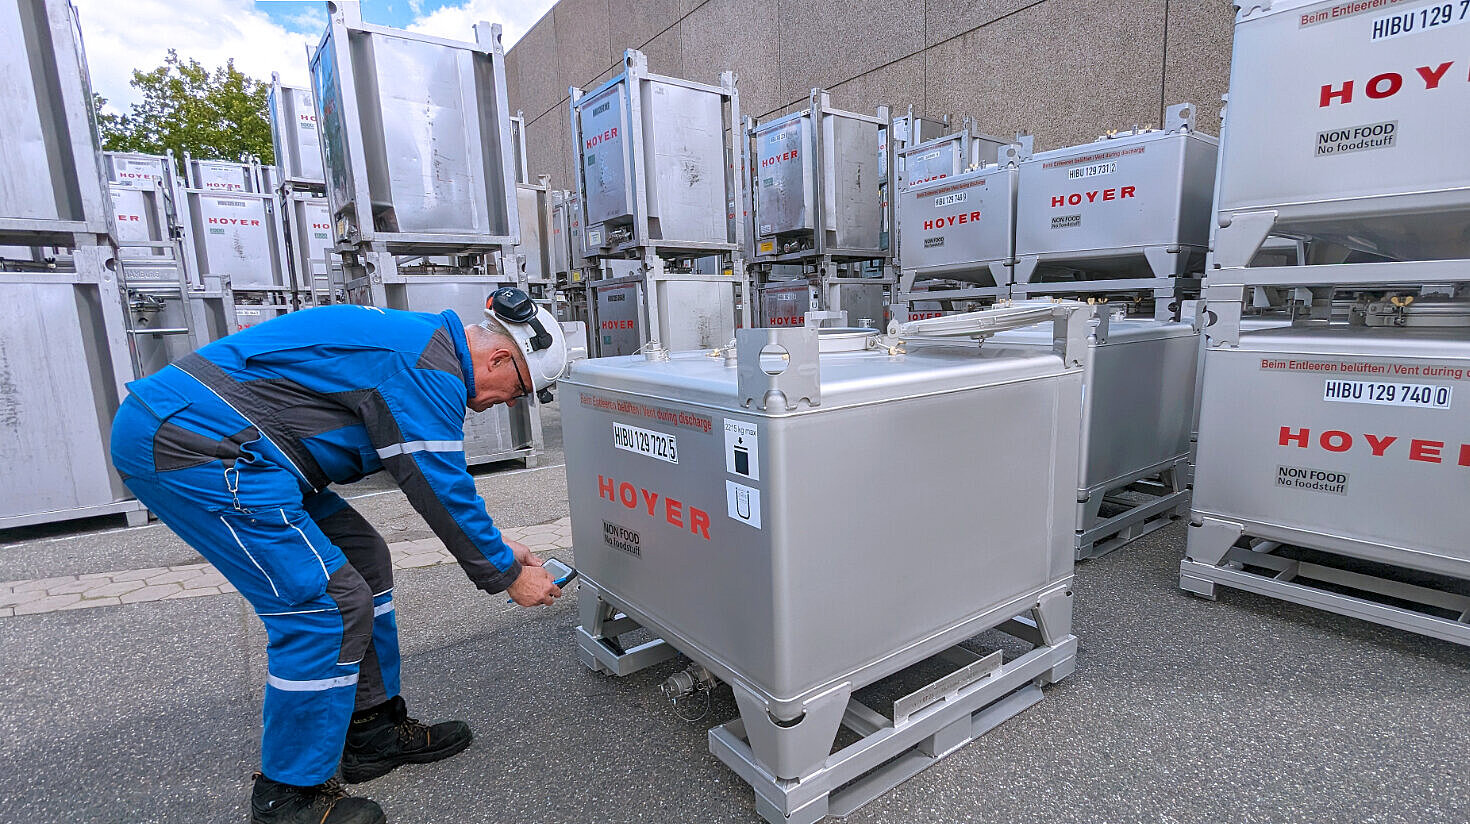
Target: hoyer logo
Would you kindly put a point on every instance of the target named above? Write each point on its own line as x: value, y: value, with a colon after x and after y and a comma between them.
x: 321, y: 226
x: 129, y: 218
x: 219, y: 185
x: 617, y: 324
x: 1078, y: 198
x: 946, y: 221
x: 233, y: 221
x: 671, y: 510
x: 1379, y: 446
x: 600, y: 138
x: 1389, y: 84
x: 783, y: 157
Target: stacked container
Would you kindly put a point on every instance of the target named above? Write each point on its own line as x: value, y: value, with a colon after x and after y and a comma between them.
x: 657, y: 185
x: 420, y: 170
x: 1341, y: 483
x: 64, y: 345
x: 300, y: 197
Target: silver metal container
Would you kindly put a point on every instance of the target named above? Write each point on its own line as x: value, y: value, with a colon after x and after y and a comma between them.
x: 294, y: 134
x: 51, y: 180
x: 1119, y: 208
x: 702, y: 509
x: 816, y: 183
x: 235, y: 238
x: 654, y: 165
x: 416, y: 139
x: 1354, y: 443
x: 947, y: 156
x: 961, y: 227
x: 1346, y: 123
x: 696, y: 314
x: 1137, y: 422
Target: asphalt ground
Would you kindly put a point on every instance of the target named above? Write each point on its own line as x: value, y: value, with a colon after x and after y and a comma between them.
x: 1181, y: 710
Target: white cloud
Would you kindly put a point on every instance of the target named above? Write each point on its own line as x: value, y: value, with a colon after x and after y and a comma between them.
x: 137, y: 34
x: 456, y: 22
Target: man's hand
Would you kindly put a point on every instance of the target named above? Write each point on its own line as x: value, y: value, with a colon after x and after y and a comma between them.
x: 533, y: 586
x: 523, y: 553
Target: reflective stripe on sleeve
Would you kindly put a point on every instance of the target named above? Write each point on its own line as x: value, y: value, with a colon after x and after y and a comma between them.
x: 311, y: 686
x: 420, y: 446
x: 386, y: 606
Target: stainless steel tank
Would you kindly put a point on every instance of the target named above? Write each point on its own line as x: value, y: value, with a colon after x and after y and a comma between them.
x: 702, y: 509
x: 1137, y: 423
x: 1125, y: 206
x: 224, y: 176
x: 1354, y: 443
x: 1348, y: 124
x: 51, y: 178
x: 816, y: 183
x: 962, y: 227
x: 947, y: 156
x: 535, y: 248
x: 415, y: 134
x: 235, y: 238
x: 654, y: 164
x: 696, y: 313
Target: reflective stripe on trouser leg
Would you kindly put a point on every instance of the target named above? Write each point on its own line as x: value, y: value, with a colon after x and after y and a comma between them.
x: 309, y: 695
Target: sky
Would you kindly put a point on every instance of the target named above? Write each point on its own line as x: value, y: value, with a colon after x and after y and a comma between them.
x: 261, y: 35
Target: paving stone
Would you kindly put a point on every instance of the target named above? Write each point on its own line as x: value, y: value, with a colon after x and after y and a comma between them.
x: 193, y: 593
x: 175, y: 576
x: 227, y: 587
x: 414, y: 562
x: 6, y: 612
x: 151, y: 593
x: 49, y: 603
x: 138, y: 574
x: 38, y: 583
x: 89, y: 603
x: 116, y: 588
x: 564, y: 543
x: 69, y: 587
x: 209, y: 580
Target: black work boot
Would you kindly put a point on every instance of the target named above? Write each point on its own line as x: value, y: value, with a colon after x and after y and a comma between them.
x: 275, y: 803
x: 384, y: 737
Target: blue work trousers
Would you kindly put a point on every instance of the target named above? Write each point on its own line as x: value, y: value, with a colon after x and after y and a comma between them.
x: 315, y: 572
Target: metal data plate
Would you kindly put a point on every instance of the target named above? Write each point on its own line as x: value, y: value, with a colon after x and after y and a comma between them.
x: 1353, y: 124
x: 1367, y: 452
x: 233, y: 238
x: 785, y: 189
x: 684, y: 156
x: 958, y: 226
x: 1126, y: 193
x: 605, y: 158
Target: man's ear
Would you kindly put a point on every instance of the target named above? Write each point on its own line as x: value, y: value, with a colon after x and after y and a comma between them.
x: 499, y: 357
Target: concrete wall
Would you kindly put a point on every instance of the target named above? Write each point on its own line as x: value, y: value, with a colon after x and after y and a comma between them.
x: 1063, y: 70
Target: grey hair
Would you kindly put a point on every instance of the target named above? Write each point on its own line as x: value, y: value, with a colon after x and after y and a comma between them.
x: 495, y: 327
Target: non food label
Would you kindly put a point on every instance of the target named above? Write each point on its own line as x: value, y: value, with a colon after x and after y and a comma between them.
x: 1358, y: 138
x: 1066, y: 221
x: 1382, y: 393
x: 622, y: 539
x: 1095, y: 170
x: 1414, y: 21
x: 1312, y: 480
x: 646, y: 442
x: 743, y: 503
x: 743, y: 448
x: 933, y: 242
x: 950, y: 199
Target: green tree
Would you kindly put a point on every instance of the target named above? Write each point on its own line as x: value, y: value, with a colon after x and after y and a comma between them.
x: 187, y: 108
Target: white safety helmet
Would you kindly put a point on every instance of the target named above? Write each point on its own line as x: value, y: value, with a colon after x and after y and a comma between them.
x: 536, y: 331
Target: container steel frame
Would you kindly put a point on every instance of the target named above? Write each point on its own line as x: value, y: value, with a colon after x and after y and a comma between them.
x: 823, y: 265
x: 296, y: 189
x: 654, y: 256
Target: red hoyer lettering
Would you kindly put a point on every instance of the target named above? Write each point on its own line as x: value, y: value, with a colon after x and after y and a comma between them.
x: 598, y: 138
x: 950, y: 220
x: 647, y: 501
x: 1076, y: 198
x: 1337, y: 440
x: 617, y: 324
